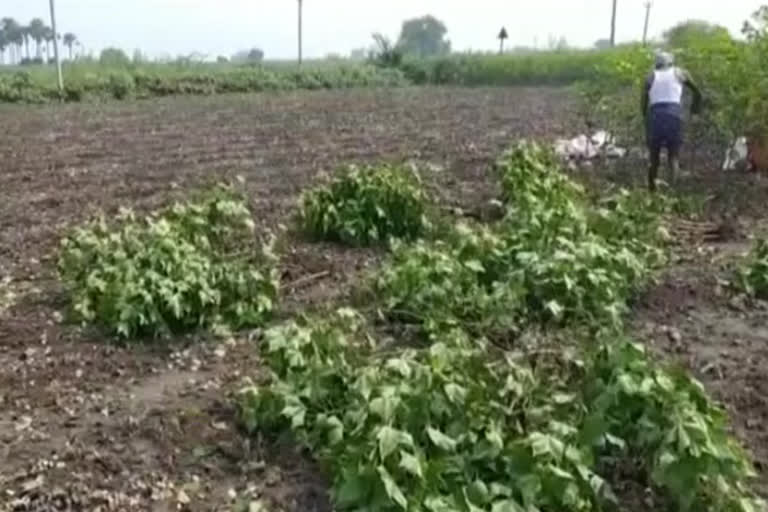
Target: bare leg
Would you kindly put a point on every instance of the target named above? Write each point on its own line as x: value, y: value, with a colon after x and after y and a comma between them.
x: 673, y: 165
x: 653, y: 169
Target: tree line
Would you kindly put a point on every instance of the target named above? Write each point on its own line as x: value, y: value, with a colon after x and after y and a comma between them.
x: 16, y: 40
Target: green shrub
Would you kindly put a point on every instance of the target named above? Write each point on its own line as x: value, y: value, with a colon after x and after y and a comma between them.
x: 752, y: 277
x: 562, y: 67
x: 465, y: 281
x: 665, y: 421
x: 555, y: 257
x: 196, y: 264
x: 366, y: 205
x: 540, y: 199
x: 120, y: 85
x: 454, y: 427
x: 116, y: 80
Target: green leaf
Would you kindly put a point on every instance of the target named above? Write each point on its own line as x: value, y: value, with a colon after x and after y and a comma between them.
x: 335, y: 430
x: 475, y: 266
x: 456, y: 394
x: 352, y: 491
x: 507, y: 506
x: 615, y: 441
x: 563, y: 398
x: 493, y: 436
x: 391, y: 488
x: 438, y: 504
x: 750, y: 505
x: 411, y: 464
x: 384, y: 407
x: 543, y: 444
x: 441, y: 440
x: 559, y: 472
x: 478, y: 492
x: 389, y: 439
x: 500, y: 490
x: 554, y: 308
x: 400, y: 366
x: 530, y: 487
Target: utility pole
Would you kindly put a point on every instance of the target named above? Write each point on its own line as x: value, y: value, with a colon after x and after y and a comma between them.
x: 648, y: 6
x: 301, y: 2
x: 613, y: 24
x: 56, y: 46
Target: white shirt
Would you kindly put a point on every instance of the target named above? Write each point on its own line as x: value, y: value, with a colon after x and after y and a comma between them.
x: 667, y: 86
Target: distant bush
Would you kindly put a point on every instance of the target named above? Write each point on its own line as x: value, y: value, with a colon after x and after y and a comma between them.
x: 146, y: 81
x: 120, y: 85
x: 196, y: 264
x: 365, y: 205
x: 114, y: 57
x: 537, y: 68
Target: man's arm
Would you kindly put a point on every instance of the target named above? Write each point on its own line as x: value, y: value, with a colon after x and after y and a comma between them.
x: 645, y: 98
x: 698, y: 97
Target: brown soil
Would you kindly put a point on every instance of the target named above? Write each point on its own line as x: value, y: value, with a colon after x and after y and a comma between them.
x: 93, y: 426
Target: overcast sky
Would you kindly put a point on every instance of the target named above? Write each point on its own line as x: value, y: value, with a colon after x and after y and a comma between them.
x: 220, y: 27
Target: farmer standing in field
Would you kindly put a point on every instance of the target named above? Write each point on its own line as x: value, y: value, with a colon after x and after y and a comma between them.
x: 662, y: 105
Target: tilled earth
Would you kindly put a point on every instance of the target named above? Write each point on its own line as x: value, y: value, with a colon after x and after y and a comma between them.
x: 85, y: 425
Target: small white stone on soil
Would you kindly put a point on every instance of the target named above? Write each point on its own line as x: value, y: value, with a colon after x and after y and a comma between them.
x: 182, y: 497
x: 257, y: 506
x: 23, y: 424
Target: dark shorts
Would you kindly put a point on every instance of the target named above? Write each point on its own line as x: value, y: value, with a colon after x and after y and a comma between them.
x: 665, y: 130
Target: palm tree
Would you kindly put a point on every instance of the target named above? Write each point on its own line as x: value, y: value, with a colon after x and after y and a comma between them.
x: 14, y: 37
x: 37, y: 30
x: 5, y: 38
x: 48, y: 37
x: 69, y: 41
x: 3, y: 45
x: 26, y: 33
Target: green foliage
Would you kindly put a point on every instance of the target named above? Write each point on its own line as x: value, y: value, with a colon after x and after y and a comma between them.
x: 556, y: 257
x: 666, y: 422
x: 196, y: 264
x: 455, y: 427
x: 731, y: 73
x: 465, y: 280
x: 384, y: 53
x: 366, y: 205
x: 756, y: 80
x: 114, y: 57
x: 752, y: 276
x: 121, y: 85
x: 136, y: 80
x: 610, y: 95
x: 19, y: 88
x: 690, y: 33
x: 561, y: 67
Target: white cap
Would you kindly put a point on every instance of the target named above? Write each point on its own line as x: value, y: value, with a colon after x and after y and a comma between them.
x: 664, y: 59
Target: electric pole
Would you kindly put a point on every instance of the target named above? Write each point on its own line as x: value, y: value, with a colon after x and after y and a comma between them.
x: 648, y: 6
x: 301, y: 2
x: 56, y: 46
x: 613, y: 24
